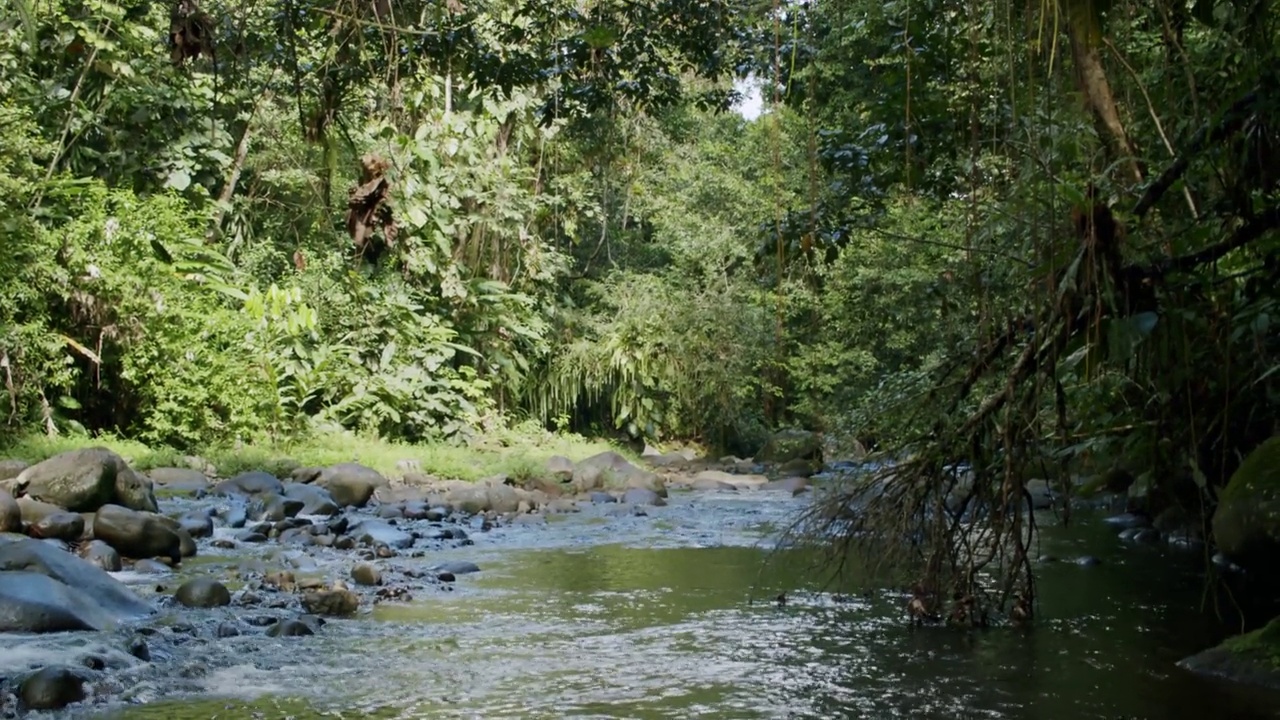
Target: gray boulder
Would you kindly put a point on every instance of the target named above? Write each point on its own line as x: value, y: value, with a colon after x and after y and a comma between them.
x: 34, y: 556
x: 84, y: 480
x: 315, y: 500
x: 350, y: 484
x: 67, y: 526
x: 137, y: 535
x: 35, y: 603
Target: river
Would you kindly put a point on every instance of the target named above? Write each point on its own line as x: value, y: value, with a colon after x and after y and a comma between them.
x: 606, y: 615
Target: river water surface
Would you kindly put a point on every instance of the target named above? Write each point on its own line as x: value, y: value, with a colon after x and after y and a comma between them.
x: 672, y: 616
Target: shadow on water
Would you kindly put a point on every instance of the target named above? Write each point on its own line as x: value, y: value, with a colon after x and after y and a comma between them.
x: 661, y: 629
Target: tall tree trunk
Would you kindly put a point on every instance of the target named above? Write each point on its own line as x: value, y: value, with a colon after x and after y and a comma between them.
x: 1085, y: 36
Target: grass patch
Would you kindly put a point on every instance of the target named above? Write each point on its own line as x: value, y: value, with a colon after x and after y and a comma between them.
x: 521, y: 453
x: 1263, y: 643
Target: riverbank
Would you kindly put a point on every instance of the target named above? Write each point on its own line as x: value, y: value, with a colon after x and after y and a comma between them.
x: 513, y: 452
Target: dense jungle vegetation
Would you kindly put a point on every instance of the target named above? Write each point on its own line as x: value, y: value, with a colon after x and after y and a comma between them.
x: 1036, y: 238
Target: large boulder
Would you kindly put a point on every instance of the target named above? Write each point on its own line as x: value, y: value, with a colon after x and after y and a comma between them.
x: 35, y: 603
x: 611, y: 470
x: 791, y: 444
x: 1246, y: 524
x: 136, y: 534
x: 39, y: 557
x: 10, y: 513
x: 85, y: 480
x: 315, y: 500
x: 350, y: 484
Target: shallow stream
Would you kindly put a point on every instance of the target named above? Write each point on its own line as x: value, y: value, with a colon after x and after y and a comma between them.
x: 672, y: 615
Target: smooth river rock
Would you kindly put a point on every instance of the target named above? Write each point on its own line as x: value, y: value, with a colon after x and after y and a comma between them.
x: 136, y: 534
x: 109, y: 593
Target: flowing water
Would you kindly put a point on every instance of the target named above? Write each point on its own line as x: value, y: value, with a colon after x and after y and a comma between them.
x: 673, y: 616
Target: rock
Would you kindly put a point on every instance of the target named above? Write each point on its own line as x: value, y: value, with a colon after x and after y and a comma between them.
x: 197, y: 524
x: 151, y: 567
x: 272, y: 508
x: 605, y: 470
x: 365, y: 574
x: 600, y: 498
x: 315, y: 500
x: 456, y: 567
x: 638, y: 496
x: 107, y: 592
x: 35, y: 603
x: 10, y: 513
x: 376, y: 532
x: 1252, y: 658
x: 227, y: 629
x: 33, y: 511
x: 250, y: 536
x: 181, y: 479
x: 203, y: 593
x: 137, y: 534
x: 792, y: 485
x: 255, y: 482
x: 290, y: 628
x: 560, y: 468
x: 741, y: 482
x: 1246, y: 524
x: 800, y: 467
x: 1127, y: 520
x: 53, y: 688
x: 712, y: 483
x: 643, y: 480
x: 67, y: 526
x: 791, y: 444
x: 139, y: 649
x: 134, y: 490
x: 338, y: 603
x: 101, y: 555
x: 350, y: 484
x: 85, y: 480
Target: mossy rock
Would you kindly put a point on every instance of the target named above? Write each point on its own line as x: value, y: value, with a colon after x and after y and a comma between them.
x: 1246, y: 525
x: 791, y: 444
x: 1252, y: 658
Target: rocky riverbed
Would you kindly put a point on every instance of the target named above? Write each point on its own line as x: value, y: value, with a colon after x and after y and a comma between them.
x: 123, y: 577
x: 617, y: 589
